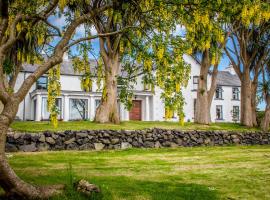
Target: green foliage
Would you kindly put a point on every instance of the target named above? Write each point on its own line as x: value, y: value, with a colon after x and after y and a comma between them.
x: 54, y: 89
x: 8, y: 66
x: 260, y: 116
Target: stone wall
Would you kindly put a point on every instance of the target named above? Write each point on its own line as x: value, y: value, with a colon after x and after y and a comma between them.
x: 110, y: 139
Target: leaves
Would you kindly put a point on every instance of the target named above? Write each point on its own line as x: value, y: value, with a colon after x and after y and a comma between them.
x: 54, y: 89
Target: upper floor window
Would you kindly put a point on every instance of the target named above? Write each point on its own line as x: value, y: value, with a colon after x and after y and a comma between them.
x: 42, y: 83
x: 195, y: 82
x: 219, y: 112
x: 235, y: 93
x: 219, y: 92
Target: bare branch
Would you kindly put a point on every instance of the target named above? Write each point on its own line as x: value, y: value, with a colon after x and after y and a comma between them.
x: 94, y: 37
x: 213, y: 86
x: 235, y: 66
x: 54, y: 27
x: 236, y: 50
x: 13, y: 79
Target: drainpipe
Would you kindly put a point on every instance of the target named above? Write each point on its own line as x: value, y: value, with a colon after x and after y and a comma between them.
x: 24, y: 77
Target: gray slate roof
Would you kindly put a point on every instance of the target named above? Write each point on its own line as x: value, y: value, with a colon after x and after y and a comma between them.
x: 225, y: 78
x: 66, y: 67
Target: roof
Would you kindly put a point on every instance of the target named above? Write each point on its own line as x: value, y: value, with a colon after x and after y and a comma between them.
x: 225, y: 78
x: 66, y: 67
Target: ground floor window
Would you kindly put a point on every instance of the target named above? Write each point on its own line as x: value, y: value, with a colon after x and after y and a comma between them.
x: 78, y: 109
x: 235, y: 113
x: 45, y: 114
x: 97, y: 102
x: 194, y: 107
x: 219, y: 112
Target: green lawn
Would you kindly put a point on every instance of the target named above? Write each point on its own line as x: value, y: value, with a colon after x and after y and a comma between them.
x: 129, y: 125
x: 235, y: 172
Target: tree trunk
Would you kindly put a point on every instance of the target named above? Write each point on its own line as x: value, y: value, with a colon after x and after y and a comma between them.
x: 13, y: 186
x: 202, y: 115
x: 107, y: 112
x: 246, y: 101
x: 254, y: 104
x: 266, y: 120
x: 204, y: 97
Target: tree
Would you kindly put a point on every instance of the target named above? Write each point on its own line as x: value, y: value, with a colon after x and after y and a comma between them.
x: 139, y: 21
x: 206, y: 38
x: 264, y: 90
x: 24, y: 24
x: 247, y: 30
x: 136, y: 17
x: 264, y: 83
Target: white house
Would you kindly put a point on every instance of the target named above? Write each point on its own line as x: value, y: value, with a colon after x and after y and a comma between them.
x: 76, y: 104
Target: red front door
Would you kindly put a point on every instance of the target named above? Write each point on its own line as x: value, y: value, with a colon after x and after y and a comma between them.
x: 136, y: 111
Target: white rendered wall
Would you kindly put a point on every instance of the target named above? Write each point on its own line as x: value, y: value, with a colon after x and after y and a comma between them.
x: 152, y: 109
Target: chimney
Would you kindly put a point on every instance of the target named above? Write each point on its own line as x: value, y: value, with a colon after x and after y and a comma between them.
x: 230, y: 69
x: 65, y: 57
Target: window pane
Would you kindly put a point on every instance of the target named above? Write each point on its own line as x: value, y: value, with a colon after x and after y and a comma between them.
x: 42, y: 83
x: 97, y: 102
x: 45, y: 114
x: 195, y: 82
x: 236, y: 113
x: 236, y: 93
x: 219, y: 93
x: 195, y: 79
x: 219, y: 112
x: 78, y: 109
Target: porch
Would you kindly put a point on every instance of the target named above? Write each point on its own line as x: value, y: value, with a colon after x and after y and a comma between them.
x: 79, y: 105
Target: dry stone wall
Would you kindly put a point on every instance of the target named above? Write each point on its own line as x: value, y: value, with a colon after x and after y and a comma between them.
x: 112, y: 139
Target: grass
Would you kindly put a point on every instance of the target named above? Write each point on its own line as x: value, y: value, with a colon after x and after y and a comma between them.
x: 128, y: 125
x: 208, y: 173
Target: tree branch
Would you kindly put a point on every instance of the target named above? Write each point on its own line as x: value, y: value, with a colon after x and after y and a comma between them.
x: 235, y: 66
x: 94, y: 37
x: 58, y: 53
x: 54, y: 27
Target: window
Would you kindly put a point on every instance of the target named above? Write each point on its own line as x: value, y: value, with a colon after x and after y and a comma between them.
x: 219, y: 112
x: 195, y: 79
x: 235, y: 113
x: 42, y: 83
x: 195, y: 82
x: 194, y: 106
x: 97, y: 102
x: 235, y: 93
x: 45, y: 114
x: 78, y: 109
x: 219, y: 91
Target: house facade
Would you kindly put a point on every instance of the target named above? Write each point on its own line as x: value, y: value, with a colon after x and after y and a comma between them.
x: 76, y: 104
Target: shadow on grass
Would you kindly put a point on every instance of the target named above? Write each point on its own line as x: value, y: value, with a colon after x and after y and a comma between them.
x: 130, y: 189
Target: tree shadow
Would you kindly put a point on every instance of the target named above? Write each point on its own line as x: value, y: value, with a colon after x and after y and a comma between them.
x: 123, y: 187
x: 129, y: 188
x: 120, y: 187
